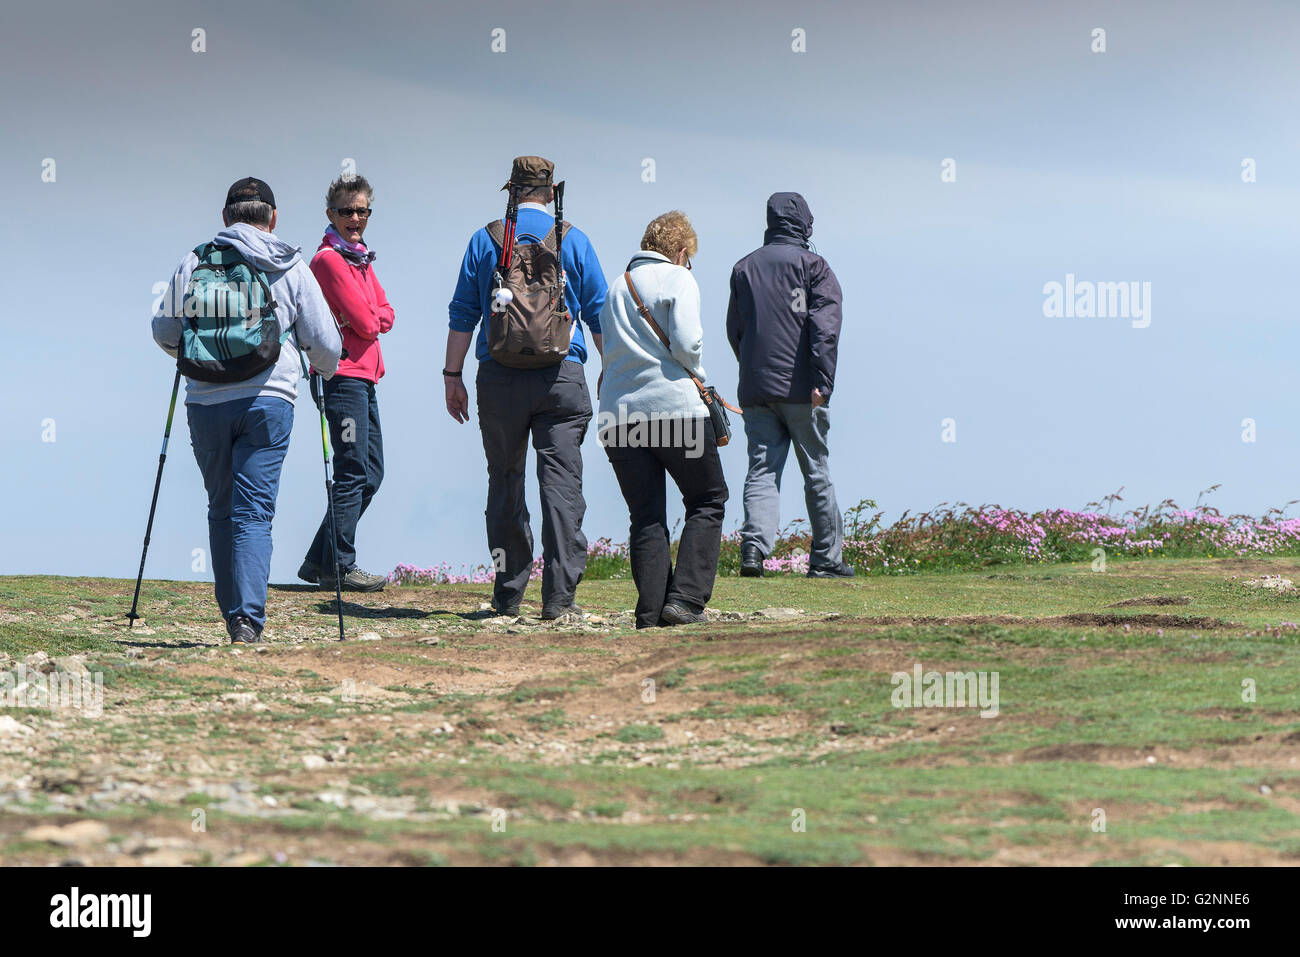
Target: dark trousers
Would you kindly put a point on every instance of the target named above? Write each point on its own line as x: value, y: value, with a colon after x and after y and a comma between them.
x: 552, y: 406
x: 641, y: 475
x: 357, y: 444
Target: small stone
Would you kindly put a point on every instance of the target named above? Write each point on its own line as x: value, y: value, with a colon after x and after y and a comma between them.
x: 170, y: 858
x: 1265, y: 789
x: 368, y: 636
x: 778, y: 613
x: 246, y: 859
x: 313, y: 762
x: 72, y: 664
x: 76, y: 834
x: 11, y: 728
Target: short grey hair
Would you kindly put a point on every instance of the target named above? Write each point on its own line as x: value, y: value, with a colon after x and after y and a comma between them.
x: 254, y: 212
x: 347, y: 184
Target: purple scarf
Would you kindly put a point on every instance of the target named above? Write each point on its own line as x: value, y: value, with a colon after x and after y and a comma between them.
x: 356, y: 253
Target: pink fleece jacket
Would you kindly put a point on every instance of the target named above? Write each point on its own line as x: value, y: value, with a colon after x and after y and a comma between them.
x: 361, y: 308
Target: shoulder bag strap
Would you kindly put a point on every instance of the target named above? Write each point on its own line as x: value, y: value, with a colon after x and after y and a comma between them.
x: 645, y: 314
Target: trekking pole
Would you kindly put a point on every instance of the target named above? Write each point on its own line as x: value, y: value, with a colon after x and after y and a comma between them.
x: 157, y: 483
x: 318, y: 393
x: 559, y: 241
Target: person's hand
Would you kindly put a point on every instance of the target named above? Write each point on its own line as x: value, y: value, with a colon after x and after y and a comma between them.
x: 818, y: 398
x: 457, y: 398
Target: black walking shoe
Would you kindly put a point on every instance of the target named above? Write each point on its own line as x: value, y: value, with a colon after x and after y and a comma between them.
x: 506, y: 611
x: 309, y: 572
x: 242, y: 631
x: 675, y: 614
x: 353, y: 580
x: 831, y: 571
x: 552, y: 612
x: 751, y: 562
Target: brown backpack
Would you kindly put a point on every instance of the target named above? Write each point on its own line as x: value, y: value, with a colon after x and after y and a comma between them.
x: 535, y: 328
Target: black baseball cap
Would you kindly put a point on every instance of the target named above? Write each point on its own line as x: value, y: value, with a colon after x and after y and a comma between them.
x: 250, y: 190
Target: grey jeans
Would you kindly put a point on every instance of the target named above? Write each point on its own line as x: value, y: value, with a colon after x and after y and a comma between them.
x: 771, y: 429
x: 551, y: 405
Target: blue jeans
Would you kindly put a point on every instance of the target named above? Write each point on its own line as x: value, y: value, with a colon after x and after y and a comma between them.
x: 771, y: 428
x: 358, y: 448
x: 240, y: 447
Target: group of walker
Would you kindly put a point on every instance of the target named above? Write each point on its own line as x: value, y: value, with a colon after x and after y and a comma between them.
x: 241, y: 306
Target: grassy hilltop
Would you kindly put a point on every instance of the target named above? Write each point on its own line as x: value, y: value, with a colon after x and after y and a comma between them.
x: 451, y: 736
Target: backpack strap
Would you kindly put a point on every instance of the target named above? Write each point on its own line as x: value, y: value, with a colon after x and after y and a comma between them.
x: 555, y: 237
x: 268, y: 300
x: 496, y: 231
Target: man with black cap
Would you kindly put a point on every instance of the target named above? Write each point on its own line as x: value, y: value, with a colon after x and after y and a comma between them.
x: 530, y: 381
x: 240, y: 423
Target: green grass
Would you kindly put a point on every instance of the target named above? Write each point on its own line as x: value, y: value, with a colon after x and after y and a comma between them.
x: 786, y: 718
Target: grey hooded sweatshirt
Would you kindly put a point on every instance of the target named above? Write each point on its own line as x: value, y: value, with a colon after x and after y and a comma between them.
x: 301, y: 306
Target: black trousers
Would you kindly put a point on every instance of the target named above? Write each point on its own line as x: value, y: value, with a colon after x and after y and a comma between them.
x: 642, y: 469
x: 358, y: 447
x: 551, y: 405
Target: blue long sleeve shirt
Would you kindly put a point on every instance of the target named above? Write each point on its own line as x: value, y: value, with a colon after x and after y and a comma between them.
x: 585, y: 293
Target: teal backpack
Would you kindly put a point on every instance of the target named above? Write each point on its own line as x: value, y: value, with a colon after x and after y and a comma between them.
x: 230, y: 332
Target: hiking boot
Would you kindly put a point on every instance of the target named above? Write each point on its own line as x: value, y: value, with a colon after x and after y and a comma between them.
x: 309, y: 572
x: 354, y: 580
x: 242, y: 631
x: 552, y: 612
x: 505, y: 611
x: 751, y: 562
x: 675, y: 614
x: 831, y: 571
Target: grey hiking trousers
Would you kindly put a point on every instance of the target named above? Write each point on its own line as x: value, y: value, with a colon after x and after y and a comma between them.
x: 551, y: 405
x: 771, y: 428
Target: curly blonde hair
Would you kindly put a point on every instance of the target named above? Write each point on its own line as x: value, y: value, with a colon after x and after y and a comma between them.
x: 669, y: 234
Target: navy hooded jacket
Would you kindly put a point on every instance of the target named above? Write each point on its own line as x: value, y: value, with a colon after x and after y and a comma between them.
x: 783, y: 320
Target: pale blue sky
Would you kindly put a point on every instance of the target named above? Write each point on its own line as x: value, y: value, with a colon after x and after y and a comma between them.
x: 1117, y: 166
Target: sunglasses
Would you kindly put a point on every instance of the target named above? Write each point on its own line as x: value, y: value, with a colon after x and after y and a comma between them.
x: 347, y: 212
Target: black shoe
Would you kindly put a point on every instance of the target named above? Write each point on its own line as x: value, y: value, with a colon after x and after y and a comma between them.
x: 242, y: 631
x: 675, y: 614
x: 506, y: 611
x: 552, y: 612
x: 751, y: 561
x: 831, y: 571
x: 308, y: 572
x: 353, y: 580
